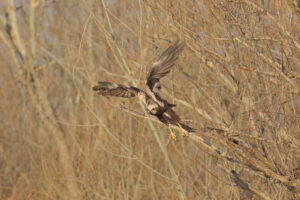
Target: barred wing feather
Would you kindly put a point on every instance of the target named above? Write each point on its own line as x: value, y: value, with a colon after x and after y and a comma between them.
x: 114, y: 89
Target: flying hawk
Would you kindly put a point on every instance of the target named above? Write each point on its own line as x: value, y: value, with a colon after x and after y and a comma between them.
x: 155, y: 104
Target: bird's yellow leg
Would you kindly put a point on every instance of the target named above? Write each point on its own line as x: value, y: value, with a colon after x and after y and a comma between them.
x: 183, y: 131
x: 172, y: 133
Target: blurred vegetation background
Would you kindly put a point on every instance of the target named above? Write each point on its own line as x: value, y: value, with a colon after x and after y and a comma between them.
x: 237, y: 83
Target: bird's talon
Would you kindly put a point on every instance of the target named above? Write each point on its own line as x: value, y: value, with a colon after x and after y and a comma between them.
x: 173, y: 136
x: 184, y: 132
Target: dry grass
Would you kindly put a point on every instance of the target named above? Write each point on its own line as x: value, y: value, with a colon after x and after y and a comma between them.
x: 237, y: 83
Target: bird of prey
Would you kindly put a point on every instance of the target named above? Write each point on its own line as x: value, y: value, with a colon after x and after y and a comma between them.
x: 155, y: 104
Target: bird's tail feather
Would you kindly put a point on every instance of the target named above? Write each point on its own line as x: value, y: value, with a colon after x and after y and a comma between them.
x: 173, y: 115
x: 171, y: 105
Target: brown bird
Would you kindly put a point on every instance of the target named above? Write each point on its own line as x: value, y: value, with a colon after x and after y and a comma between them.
x: 155, y: 104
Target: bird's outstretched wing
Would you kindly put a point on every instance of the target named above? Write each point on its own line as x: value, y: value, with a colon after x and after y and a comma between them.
x: 114, y: 89
x: 163, y: 64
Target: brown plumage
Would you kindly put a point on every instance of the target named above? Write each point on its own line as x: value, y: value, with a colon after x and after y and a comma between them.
x: 155, y: 104
x: 113, y: 89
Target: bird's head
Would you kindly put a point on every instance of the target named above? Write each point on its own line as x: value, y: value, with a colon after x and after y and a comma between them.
x: 157, y: 87
x: 153, y: 110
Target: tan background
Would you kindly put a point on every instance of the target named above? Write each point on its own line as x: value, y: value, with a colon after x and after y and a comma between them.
x: 237, y: 82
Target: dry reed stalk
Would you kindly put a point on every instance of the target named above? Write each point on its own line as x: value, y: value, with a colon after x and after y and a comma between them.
x: 238, y: 76
x: 110, y: 40
x: 38, y: 96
